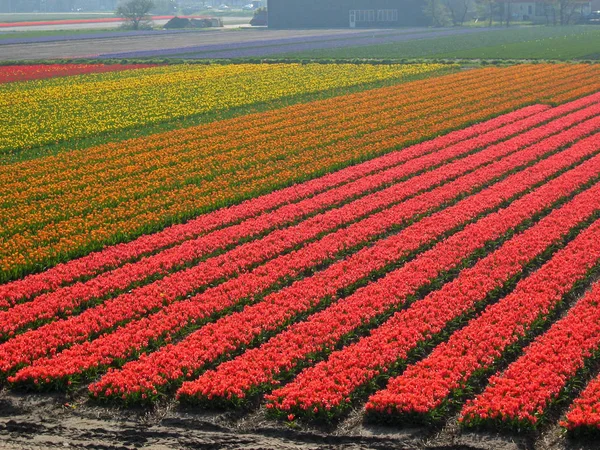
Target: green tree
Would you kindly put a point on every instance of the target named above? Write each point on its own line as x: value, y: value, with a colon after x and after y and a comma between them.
x: 459, y: 9
x: 135, y: 12
x: 438, y: 13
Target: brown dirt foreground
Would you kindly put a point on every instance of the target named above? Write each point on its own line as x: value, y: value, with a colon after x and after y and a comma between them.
x: 45, y: 421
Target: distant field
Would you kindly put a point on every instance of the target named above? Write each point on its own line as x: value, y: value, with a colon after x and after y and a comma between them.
x: 47, y: 33
x: 210, y: 41
x: 230, y: 13
x: 585, y: 45
x: 526, y: 42
x: 41, y: 17
x: 574, y: 42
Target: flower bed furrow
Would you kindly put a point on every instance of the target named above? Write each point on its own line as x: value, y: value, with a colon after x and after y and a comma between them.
x: 520, y: 396
x: 216, y: 339
x: 423, y: 389
x: 258, y: 369
x: 327, y: 388
x: 164, y: 262
x: 49, y: 338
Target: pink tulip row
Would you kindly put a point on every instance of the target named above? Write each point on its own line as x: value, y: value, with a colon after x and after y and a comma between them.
x: 68, y: 298
x: 140, y: 378
x: 522, y: 394
x: 327, y: 388
x: 114, y: 256
x: 424, y: 388
x: 49, y: 338
x: 261, y: 366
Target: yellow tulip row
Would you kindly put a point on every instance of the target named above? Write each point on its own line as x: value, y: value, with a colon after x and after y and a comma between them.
x: 46, y: 111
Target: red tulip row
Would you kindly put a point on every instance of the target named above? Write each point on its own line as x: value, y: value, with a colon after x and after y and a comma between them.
x: 424, y: 388
x: 259, y: 368
x: 145, y: 299
x: 123, y: 280
x: 48, y: 339
x: 115, y: 255
x: 174, y: 362
x: 10, y: 74
x: 327, y: 388
x: 95, y: 262
x: 118, y: 254
x: 63, y: 300
x: 584, y: 414
x: 521, y: 395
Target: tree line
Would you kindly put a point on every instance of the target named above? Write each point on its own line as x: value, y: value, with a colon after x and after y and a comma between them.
x: 445, y: 13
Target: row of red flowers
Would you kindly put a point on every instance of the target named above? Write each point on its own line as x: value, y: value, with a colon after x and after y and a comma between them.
x: 10, y: 74
x: 584, y: 414
x: 143, y: 377
x: 522, y: 394
x: 425, y: 386
x: 119, y: 254
x: 380, y: 139
x: 64, y: 300
x: 321, y: 332
x: 153, y: 296
x: 377, y: 134
x: 49, y: 338
x: 327, y: 388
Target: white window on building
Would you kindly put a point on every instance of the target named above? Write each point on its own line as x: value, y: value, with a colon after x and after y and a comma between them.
x: 387, y: 15
x: 364, y: 15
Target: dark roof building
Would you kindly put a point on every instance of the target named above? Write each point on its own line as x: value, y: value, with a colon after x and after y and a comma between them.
x: 346, y: 13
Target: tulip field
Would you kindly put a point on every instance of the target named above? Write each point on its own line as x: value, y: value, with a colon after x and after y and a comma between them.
x: 108, y: 100
x: 416, y: 254
x: 40, y: 71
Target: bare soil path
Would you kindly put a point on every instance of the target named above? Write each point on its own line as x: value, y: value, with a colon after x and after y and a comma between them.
x: 46, y: 421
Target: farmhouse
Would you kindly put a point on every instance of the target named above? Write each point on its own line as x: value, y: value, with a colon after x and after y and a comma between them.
x: 346, y: 13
